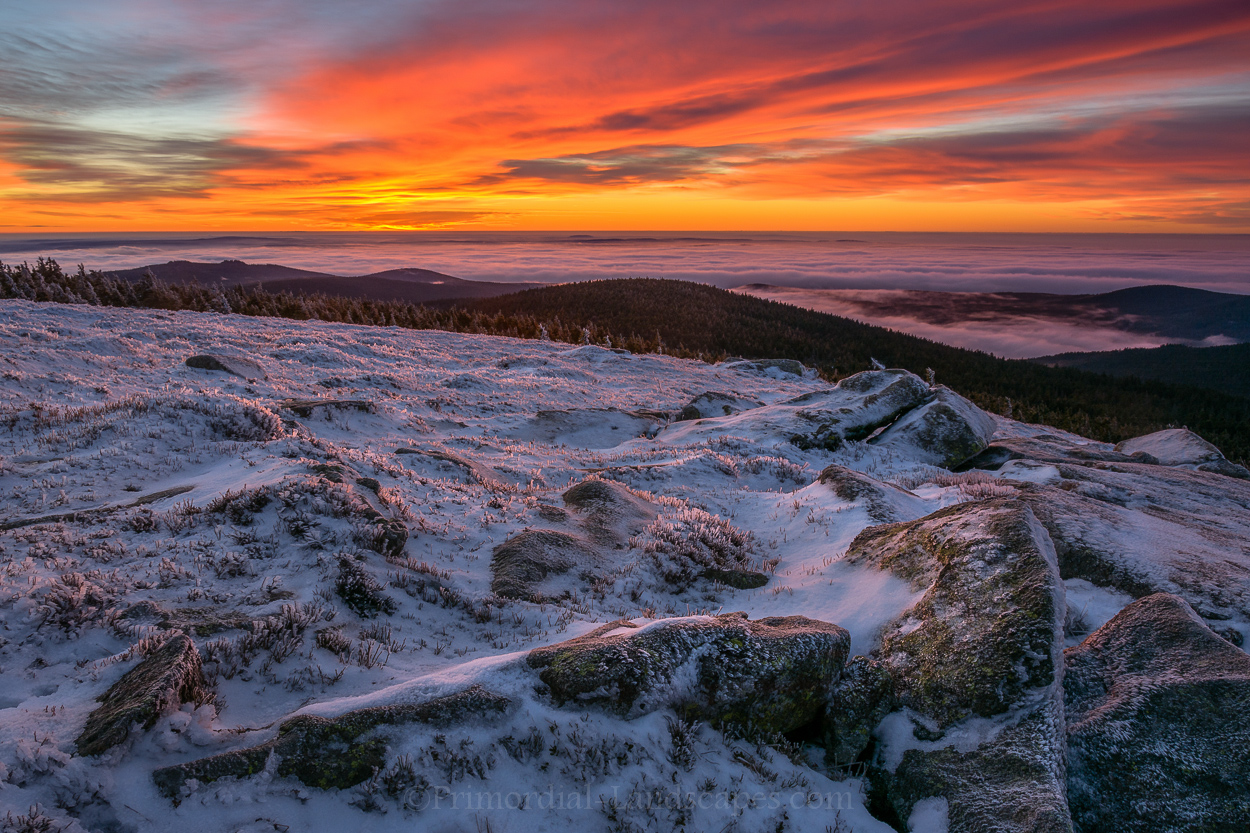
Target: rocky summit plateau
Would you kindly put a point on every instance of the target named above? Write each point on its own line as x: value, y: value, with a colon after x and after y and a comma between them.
x: 258, y: 575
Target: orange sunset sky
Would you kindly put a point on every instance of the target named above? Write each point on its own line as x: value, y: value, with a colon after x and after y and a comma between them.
x: 1124, y: 115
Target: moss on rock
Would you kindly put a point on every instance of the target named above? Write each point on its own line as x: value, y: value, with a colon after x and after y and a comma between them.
x: 857, y: 703
x: 983, y: 642
x: 773, y: 673
x: 1011, y: 784
x: 332, y: 753
x: 523, y: 562
x: 989, y: 625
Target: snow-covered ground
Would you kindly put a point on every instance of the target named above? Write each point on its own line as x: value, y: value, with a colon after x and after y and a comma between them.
x: 173, y: 497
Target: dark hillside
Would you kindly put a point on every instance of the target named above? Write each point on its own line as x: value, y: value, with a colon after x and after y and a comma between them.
x: 1225, y: 369
x: 1178, y: 311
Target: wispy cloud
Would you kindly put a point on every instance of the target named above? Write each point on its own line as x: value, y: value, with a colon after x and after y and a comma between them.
x: 81, y: 165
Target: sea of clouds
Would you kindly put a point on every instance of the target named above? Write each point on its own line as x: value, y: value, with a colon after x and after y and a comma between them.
x: 1051, y: 263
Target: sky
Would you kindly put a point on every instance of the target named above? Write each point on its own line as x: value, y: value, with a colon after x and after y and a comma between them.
x: 967, y: 115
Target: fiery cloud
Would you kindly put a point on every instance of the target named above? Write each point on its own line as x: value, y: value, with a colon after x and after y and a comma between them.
x: 1053, y: 115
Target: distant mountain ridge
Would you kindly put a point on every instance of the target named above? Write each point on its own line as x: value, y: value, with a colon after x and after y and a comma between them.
x: 417, y: 286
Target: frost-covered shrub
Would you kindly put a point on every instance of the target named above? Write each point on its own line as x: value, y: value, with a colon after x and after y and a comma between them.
x: 224, y: 417
x: 974, y: 485
x: 77, y: 599
x: 232, y: 565
x: 360, y: 591
x: 35, y: 821
x: 683, y: 735
x: 280, y: 635
x: 333, y: 640
x: 240, y: 506
x: 142, y: 520
x: 235, y: 418
x: 777, y: 467
x: 36, y: 757
x: 685, y: 542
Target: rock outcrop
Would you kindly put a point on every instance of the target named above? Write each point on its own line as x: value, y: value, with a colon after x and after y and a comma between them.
x: 884, y: 502
x: 445, y: 460
x: 778, y: 366
x: 305, y: 407
x: 988, y: 628
x: 1182, y: 447
x: 601, y: 516
x: 1172, y: 447
x: 335, y: 752
x: 588, y: 427
x: 945, y: 432
x: 525, y: 565
x: 1012, y: 783
x: 1155, y: 707
x: 857, y: 703
x: 852, y: 410
x: 235, y: 365
x: 1139, y: 527
x: 165, y: 679
x: 1045, y: 448
x: 774, y: 673
x: 712, y: 404
x: 607, y: 511
x: 983, y: 642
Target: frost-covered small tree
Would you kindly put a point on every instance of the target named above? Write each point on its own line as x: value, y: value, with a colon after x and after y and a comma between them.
x: 219, y: 302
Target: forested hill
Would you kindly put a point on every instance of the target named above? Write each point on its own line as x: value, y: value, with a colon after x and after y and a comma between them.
x: 693, y: 319
x: 1224, y: 369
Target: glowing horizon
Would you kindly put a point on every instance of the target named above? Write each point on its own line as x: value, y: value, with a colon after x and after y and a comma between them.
x: 542, y: 115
